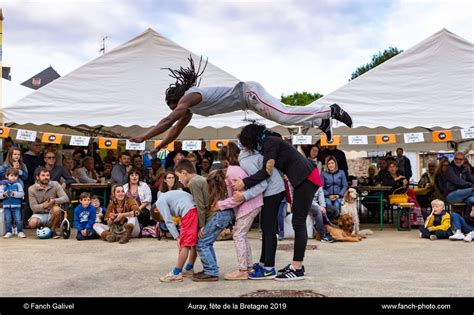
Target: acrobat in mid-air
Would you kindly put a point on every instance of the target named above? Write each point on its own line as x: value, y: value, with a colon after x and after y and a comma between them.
x: 185, y: 98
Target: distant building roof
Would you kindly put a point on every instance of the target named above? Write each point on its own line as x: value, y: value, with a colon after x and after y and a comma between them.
x: 6, y: 73
x: 41, y: 79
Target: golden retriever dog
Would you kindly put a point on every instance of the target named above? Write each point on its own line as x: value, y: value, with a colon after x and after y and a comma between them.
x: 343, y: 231
x: 350, y: 207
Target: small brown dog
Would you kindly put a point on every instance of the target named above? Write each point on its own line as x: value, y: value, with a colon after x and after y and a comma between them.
x: 342, y: 232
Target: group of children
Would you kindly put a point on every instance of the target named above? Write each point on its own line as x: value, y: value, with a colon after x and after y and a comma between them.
x: 208, y: 208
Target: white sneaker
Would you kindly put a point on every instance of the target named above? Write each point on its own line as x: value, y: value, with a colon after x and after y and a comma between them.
x: 433, y: 237
x: 21, y: 235
x: 468, y: 237
x: 8, y: 235
x: 458, y: 236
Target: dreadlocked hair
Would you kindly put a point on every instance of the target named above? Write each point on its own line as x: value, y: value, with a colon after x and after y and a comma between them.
x: 185, y: 78
x: 250, y: 136
x: 216, y: 185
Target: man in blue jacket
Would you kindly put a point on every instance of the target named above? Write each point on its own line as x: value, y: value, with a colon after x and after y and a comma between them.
x: 459, y: 182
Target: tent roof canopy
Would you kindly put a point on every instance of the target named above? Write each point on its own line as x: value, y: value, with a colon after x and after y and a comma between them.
x: 430, y: 84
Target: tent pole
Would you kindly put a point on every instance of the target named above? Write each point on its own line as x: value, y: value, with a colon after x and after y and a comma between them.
x: 1, y: 68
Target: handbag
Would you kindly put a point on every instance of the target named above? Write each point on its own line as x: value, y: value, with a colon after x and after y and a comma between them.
x: 398, y: 198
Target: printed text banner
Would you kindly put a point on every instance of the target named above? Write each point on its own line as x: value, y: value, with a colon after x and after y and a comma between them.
x: 192, y: 145
x: 26, y: 135
x: 414, y: 137
x: 79, y: 141
x: 301, y: 139
x: 134, y: 146
x: 357, y: 140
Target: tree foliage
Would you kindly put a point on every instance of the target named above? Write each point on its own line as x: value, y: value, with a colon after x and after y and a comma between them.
x: 300, y: 99
x: 377, y: 59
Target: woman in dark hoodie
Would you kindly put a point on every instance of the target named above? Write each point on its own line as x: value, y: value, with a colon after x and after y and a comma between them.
x: 301, y: 173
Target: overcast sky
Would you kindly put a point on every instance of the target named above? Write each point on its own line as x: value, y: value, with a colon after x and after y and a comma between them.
x: 288, y: 46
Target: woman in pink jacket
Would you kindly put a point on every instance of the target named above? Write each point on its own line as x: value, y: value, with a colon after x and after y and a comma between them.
x: 245, y: 214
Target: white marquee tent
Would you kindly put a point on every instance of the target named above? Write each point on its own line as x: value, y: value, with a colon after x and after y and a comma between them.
x: 431, y: 84
x: 428, y: 86
x: 121, y: 90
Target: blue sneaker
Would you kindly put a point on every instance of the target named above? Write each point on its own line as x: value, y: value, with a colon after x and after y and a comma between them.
x: 262, y: 274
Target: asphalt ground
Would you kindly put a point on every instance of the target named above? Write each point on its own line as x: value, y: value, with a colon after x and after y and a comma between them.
x: 389, y: 263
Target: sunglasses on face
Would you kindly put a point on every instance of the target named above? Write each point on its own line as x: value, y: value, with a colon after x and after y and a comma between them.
x: 50, y: 157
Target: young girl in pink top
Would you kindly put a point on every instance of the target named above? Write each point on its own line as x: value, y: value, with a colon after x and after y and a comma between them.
x: 245, y: 213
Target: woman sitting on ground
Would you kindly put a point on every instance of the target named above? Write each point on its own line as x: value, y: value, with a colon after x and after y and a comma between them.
x: 121, y: 208
x: 137, y: 189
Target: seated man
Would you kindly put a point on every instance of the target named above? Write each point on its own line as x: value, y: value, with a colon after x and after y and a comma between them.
x: 45, y: 197
x: 56, y: 172
x: 120, y: 170
x: 459, y: 182
x: 87, y: 173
